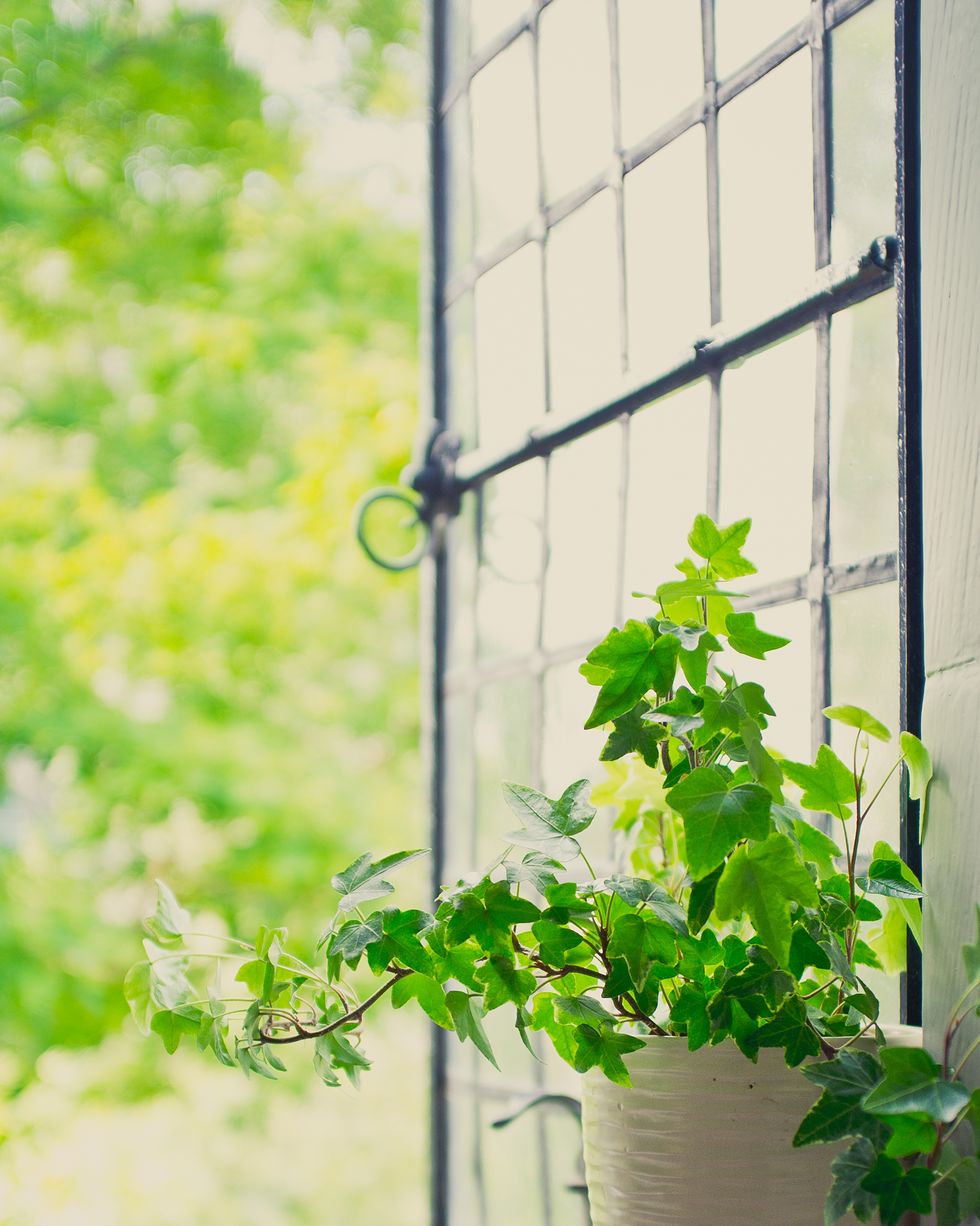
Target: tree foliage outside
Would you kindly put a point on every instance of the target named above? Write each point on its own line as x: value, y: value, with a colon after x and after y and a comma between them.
x: 208, y: 263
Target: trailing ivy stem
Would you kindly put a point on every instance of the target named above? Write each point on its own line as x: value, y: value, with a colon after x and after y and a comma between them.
x: 867, y: 807
x: 354, y: 1015
x: 962, y: 1064
x: 214, y: 936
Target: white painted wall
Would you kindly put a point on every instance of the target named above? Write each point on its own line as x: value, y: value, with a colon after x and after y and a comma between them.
x: 951, y: 490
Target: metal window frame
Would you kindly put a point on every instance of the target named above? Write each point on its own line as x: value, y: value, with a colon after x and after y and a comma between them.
x: 887, y: 262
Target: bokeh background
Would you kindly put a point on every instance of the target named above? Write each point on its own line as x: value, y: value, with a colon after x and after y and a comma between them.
x: 209, y: 221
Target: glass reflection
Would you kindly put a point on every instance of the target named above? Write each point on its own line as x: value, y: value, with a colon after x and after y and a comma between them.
x: 583, y: 312
x: 766, y: 155
x: 668, y: 295
x: 576, y: 106
x: 743, y: 29
x: 512, y: 557
x: 660, y: 64
x: 767, y: 454
x: 864, y: 670
x: 668, y: 454
x: 864, y: 430
x: 862, y: 60
x: 786, y: 676
x: 510, y: 348
x: 583, y: 523
x: 504, y: 145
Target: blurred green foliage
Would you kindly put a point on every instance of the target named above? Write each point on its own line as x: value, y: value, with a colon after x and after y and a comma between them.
x: 207, y: 352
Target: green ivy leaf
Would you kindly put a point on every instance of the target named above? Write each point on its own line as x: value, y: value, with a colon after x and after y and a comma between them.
x: 913, y: 1082
x: 170, y: 921
x: 352, y: 938
x: 911, y: 1134
x: 604, y: 1049
x: 919, y: 765
x: 891, y: 878
x: 504, y: 983
x: 701, y: 901
x: 363, y: 881
x: 681, y: 715
x: 136, y: 989
x: 848, y: 1170
x: 851, y: 1074
x: 857, y: 717
x: 691, y: 1012
x: 629, y: 942
x: 633, y: 733
x: 172, y: 1024
x: 898, y: 1191
x: 430, y: 996
x: 745, y: 637
x: 971, y: 955
x: 536, y: 868
x: 579, y: 1010
x: 554, y: 942
x: 467, y: 1014
x: 761, y: 880
x: 342, y: 1054
x: 717, y: 816
x: 402, y: 932
x: 637, y: 892
x: 721, y: 548
x: 828, y: 785
x: 832, y: 1118
x: 790, y: 1030
x: 549, y: 824
x: 635, y: 661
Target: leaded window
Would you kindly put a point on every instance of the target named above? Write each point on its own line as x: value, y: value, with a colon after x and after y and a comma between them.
x: 664, y: 282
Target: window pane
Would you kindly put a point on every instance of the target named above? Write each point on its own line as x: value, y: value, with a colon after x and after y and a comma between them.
x: 864, y: 671
x: 568, y: 751
x: 462, y: 577
x: 583, y: 312
x: 785, y: 674
x: 502, y: 733
x: 511, y: 557
x: 864, y: 430
x: 743, y: 28
x: 459, y: 211
x: 462, y: 383
x: 583, y: 524
x: 460, y: 828
x: 510, y: 348
x: 512, y: 1160
x: 659, y: 75
x: 465, y: 1162
x: 668, y: 294
x: 765, y: 149
x: 504, y: 145
x: 668, y: 454
x: 576, y: 106
x: 767, y: 454
x: 862, y: 58
x: 490, y: 17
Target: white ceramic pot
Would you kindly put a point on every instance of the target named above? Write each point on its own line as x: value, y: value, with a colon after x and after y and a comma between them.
x: 705, y: 1137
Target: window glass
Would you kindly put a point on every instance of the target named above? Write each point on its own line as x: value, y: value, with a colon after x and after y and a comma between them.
x: 583, y: 305
x: 743, y: 28
x: 668, y: 455
x: 502, y: 735
x: 864, y: 430
x: 862, y: 60
x: 505, y: 166
x: 461, y: 544
x: 660, y: 66
x: 510, y: 348
x: 459, y: 236
x: 668, y: 294
x: 512, y: 1159
x: 569, y: 752
x: 767, y: 454
x: 460, y: 829
x: 766, y: 168
x: 465, y: 1153
x: 511, y: 558
x: 583, y: 526
x: 576, y: 103
x: 458, y: 322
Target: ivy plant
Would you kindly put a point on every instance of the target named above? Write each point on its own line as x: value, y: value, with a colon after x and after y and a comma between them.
x: 735, y: 917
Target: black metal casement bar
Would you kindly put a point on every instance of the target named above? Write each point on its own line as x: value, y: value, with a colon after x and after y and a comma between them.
x: 833, y: 289
x: 811, y: 31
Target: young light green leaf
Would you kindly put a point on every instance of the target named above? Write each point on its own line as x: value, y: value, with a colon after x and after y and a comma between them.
x: 745, y: 637
x: 635, y: 662
x: 913, y: 1082
x: 722, y: 547
x: 467, y: 1014
x: 717, y: 816
x: 363, y: 881
x: 172, y: 1024
x: 170, y: 921
x: 911, y: 1134
x: 971, y: 955
x: 430, y: 996
x: 671, y: 593
x: 857, y: 717
x: 919, y: 765
x: 891, y: 878
x: 828, y: 785
x: 605, y: 1049
x: 760, y: 881
x: 136, y: 989
x: 503, y: 983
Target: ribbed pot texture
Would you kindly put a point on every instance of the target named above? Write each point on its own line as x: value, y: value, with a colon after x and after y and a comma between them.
x: 703, y: 1138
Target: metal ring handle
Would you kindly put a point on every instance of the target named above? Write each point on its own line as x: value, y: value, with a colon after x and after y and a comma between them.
x: 391, y: 493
